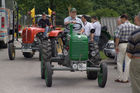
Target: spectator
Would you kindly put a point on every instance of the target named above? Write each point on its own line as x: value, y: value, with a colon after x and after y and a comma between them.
x: 124, y: 31
x: 133, y: 51
x: 97, y: 26
x: 116, y: 31
x: 88, y: 29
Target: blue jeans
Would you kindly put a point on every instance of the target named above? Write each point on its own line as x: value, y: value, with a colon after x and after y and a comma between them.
x: 96, y: 39
x: 46, y: 31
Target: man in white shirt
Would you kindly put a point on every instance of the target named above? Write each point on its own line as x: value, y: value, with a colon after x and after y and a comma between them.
x: 97, y: 26
x: 88, y: 28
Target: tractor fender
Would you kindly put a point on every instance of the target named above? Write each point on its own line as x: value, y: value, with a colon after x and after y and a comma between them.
x: 55, y: 33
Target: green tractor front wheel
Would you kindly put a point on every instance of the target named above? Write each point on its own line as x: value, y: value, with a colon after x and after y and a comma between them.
x: 48, y: 74
x: 102, y: 75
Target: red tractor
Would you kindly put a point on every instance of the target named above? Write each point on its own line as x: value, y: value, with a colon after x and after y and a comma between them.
x: 31, y: 39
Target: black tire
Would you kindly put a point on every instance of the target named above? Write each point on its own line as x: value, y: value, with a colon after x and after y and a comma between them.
x: 48, y: 74
x: 45, y: 56
x: 102, y: 75
x: 92, y: 75
x: 3, y: 44
x: 103, y: 40
x: 40, y: 52
x: 28, y: 54
x: 11, y: 51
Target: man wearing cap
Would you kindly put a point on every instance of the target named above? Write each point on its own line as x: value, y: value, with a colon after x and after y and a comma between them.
x: 74, y: 19
x: 44, y: 23
x: 133, y: 52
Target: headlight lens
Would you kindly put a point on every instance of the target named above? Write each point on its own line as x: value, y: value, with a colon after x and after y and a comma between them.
x: 93, y: 53
x: 111, y: 45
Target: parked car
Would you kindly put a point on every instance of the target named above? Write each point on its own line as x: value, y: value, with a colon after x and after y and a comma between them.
x: 109, y: 49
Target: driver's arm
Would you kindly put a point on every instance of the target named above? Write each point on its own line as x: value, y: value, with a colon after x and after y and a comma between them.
x: 82, y: 30
x: 66, y: 21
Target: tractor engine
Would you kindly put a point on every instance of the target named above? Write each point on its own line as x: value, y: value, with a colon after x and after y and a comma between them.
x: 78, y: 47
x: 31, y: 37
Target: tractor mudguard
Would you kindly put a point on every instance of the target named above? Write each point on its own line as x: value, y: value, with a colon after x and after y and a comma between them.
x: 55, y: 33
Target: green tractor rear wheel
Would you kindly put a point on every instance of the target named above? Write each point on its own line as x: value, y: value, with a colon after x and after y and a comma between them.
x: 92, y: 75
x: 102, y: 75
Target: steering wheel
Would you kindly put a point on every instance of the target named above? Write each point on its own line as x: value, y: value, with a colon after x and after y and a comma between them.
x: 76, y: 26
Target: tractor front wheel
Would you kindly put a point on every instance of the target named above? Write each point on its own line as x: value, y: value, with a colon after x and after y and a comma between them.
x: 48, y: 74
x: 28, y: 54
x: 102, y: 75
x: 11, y: 51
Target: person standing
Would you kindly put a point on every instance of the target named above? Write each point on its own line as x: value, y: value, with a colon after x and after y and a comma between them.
x: 116, y: 31
x: 133, y: 52
x: 124, y: 31
x: 97, y: 26
x: 88, y: 29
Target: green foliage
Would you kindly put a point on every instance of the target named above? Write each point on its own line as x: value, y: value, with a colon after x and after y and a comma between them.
x: 104, y: 13
x: 100, y: 8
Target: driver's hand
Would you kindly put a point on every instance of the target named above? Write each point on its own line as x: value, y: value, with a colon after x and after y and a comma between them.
x: 74, y: 22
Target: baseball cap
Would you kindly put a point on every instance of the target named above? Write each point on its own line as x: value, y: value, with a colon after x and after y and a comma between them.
x: 73, y: 10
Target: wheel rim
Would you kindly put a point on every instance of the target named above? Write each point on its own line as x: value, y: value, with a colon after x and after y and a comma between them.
x: 59, y: 45
x: 13, y: 54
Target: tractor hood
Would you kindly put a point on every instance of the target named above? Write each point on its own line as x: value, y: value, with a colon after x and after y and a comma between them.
x: 78, y: 47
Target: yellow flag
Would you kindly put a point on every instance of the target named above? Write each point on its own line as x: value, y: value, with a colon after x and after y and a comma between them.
x: 49, y: 11
x: 33, y: 15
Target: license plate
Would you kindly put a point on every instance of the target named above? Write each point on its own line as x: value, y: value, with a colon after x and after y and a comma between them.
x: 82, y: 66
x: 26, y: 50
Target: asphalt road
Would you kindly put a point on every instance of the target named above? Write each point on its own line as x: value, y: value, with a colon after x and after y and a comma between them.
x: 23, y: 76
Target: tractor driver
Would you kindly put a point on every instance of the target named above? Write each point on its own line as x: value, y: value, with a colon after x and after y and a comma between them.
x: 44, y: 23
x: 74, y: 19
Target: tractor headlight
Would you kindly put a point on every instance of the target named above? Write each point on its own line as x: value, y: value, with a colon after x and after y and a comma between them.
x: 111, y: 46
x: 93, y: 53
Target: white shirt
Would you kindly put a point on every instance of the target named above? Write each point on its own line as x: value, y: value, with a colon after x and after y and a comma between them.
x: 87, y: 28
x: 97, y: 26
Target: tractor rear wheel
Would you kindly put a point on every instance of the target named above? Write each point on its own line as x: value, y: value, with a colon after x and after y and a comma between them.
x: 28, y: 54
x: 92, y: 75
x: 11, y: 51
x: 102, y: 75
x: 45, y: 56
x: 94, y: 59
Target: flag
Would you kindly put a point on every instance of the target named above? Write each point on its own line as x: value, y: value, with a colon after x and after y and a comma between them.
x: 33, y: 15
x: 49, y: 11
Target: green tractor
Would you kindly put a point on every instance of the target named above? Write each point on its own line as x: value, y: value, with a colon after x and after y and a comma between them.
x: 73, y: 52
